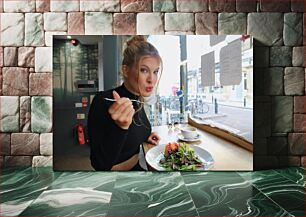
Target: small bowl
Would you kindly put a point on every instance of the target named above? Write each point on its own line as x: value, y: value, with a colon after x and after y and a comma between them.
x: 189, y: 132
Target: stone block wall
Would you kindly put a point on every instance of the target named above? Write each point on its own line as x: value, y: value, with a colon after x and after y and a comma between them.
x: 27, y: 27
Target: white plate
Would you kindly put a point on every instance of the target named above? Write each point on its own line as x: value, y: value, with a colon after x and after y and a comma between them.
x: 155, y: 154
x: 181, y: 137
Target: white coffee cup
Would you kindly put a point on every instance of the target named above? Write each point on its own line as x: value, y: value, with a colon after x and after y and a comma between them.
x: 189, y: 132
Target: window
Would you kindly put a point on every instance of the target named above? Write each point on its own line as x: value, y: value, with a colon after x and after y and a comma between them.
x: 181, y: 90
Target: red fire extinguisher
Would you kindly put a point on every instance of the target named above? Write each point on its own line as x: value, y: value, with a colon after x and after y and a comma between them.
x: 80, y: 132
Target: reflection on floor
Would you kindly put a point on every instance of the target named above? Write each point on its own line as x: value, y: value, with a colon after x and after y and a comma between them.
x: 42, y: 192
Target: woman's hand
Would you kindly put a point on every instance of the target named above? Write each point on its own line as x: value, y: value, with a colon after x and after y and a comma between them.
x: 154, y: 138
x: 122, y: 111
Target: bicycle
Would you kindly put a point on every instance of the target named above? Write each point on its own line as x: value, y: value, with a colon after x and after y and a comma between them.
x: 202, y: 107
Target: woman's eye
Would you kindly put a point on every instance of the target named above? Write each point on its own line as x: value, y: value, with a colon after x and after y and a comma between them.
x: 144, y: 70
x: 156, y: 72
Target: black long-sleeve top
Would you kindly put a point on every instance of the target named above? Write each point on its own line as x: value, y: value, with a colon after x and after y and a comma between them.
x: 109, y: 143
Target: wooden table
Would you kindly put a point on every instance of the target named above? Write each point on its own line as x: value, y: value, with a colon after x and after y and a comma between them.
x: 227, y: 156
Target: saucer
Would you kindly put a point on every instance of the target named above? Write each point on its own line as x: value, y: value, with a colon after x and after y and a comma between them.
x: 181, y: 137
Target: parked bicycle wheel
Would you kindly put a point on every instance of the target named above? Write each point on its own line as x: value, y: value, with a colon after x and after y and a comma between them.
x: 205, y: 108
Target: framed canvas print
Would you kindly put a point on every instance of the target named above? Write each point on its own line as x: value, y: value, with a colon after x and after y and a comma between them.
x: 153, y: 102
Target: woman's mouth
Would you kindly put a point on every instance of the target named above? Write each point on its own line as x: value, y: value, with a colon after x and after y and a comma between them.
x: 149, y: 89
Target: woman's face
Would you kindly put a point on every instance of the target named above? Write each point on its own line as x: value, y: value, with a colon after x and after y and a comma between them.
x: 142, y: 82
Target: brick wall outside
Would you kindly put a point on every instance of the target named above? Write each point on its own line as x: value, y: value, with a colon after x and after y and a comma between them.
x: 26, y: 31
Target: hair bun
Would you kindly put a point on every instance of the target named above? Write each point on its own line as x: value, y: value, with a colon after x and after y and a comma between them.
x: 136, y: 39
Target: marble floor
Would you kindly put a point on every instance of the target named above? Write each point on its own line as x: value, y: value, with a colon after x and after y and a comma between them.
x: 43, y: 192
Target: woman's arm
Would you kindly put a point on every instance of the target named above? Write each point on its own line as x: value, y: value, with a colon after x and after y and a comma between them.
x: 106, y: 137
x: 154, y: 138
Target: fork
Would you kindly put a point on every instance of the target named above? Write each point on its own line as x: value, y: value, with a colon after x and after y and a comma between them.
x: 114, y: 100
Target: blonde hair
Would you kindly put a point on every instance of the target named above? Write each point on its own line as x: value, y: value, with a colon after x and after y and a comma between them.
x: 136, y: 48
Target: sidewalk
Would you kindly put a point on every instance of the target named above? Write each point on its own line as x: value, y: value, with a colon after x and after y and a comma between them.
x: 238, y: 120
x: 233, y: 104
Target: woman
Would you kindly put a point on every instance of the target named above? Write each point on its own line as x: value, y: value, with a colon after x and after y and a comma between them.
x: 116, y: 129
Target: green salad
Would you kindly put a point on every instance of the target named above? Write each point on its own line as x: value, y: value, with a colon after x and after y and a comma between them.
x: 179, y: 156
